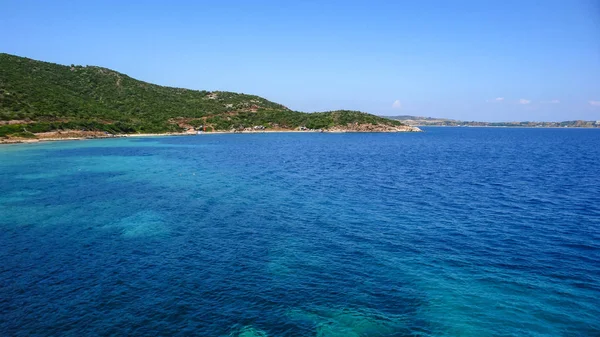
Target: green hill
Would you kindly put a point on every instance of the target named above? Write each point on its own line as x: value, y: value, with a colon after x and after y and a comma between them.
x: 38, y: 96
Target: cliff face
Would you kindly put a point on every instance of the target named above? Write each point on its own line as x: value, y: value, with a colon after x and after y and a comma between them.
x: 38, y: 97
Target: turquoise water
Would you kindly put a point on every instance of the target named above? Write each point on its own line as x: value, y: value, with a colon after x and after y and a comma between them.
x: 451, y: 232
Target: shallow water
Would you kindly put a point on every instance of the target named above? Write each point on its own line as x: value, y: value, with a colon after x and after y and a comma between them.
x: 451, y: 232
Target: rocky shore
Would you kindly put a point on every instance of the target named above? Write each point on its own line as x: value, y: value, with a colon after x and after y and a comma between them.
x: 355, y: 127
x: 374, y: 128
x: 80, y: 135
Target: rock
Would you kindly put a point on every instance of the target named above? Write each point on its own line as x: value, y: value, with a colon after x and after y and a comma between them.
x: 249, y: 331
x: 374, y: 128
x: 347, y: 322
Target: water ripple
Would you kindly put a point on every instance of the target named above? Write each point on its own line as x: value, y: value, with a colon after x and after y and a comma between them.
x: 452, y: 232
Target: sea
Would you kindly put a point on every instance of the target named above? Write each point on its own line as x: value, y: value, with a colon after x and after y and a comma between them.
x: 449, y: 232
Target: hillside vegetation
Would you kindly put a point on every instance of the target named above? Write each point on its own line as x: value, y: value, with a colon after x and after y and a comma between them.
x: 38, y: 96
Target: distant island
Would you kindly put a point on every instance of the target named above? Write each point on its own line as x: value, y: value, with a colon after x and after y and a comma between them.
x: 431, y: 121
x: 41, y: 100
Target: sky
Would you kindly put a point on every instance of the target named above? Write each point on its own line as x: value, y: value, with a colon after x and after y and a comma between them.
x: 472, y: 60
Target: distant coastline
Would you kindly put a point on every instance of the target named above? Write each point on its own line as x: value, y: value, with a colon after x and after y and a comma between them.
x: 432, y: 121
x: 508, y: 127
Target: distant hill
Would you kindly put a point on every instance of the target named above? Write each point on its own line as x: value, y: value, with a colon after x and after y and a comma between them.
x: 432, y: 121
x: 38, y: 96
x: 411, y: 118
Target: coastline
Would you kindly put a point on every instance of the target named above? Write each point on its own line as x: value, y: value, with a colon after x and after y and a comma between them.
x: 505, y: 126
x: 52, y: 138
x: 56, y: 139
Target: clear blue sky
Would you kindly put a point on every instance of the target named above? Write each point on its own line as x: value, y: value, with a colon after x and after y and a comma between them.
x: 476, y: 60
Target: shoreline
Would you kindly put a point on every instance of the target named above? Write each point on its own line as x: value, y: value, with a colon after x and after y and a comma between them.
x: 507, y: 127
x: 133, y: 135
x: 58, y: 139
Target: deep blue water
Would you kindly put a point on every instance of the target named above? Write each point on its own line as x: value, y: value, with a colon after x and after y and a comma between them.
x: 451, y: 232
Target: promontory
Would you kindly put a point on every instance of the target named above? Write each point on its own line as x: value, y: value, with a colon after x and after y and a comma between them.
x: 41, y: 100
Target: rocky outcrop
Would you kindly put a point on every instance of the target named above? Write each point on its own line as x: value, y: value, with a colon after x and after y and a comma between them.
x: 373, y: 128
